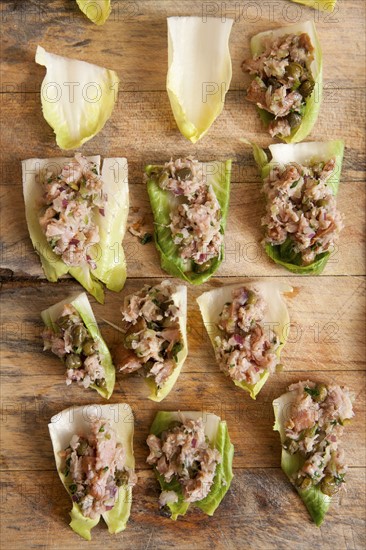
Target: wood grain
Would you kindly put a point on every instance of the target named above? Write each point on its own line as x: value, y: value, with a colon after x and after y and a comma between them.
x: 326, y: 342
x: 260, y: 511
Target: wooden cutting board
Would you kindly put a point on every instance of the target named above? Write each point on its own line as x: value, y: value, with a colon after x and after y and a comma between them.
x: 326, y: 341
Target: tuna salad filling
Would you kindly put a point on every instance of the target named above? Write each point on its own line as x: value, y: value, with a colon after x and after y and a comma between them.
x: 301, y: 210
x: 182, y: 452
x: 152, y: 336
x: 246, y: 347
x: 314, y: 429
x: 69, y: 203
x: 283, y: 80
x: 94, y: 468
x: 72, y: 342
x: 196, y: 220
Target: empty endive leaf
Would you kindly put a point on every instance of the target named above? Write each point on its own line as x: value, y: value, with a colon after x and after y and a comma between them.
x: 199, y: 71
x: 97, y: 11
x: 323, y: 5
x: 77, y: 97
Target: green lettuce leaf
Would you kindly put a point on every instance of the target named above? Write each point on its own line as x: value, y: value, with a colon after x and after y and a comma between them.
x: 159, y: 393
x: 108, y: 253
x: 211, y: 304
x: 315, y: 501
x: 82, y: 306
x: 76, y: 420
x: 163, y: 202
x: 305, y: 154
x: 311, y: 111
x: 77, y: 97
x: 218, y: 436
x: 323, y: 5
x: 97, y: 11
x: 199, y: 71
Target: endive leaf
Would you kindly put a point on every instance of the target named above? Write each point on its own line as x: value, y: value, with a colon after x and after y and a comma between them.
x: 76, y: 420
x: 97, y: 11
x: 163, y: 202
x: 77, y: 97
x: 257, y: 46
x: 323, y: 5
x: 315, y: 501
x: 276, y: 317
x: 217, y: 433
x: 304, y: 154
x: 199, y: 71
x: 81, y: 303
x: 159, y: 393
x: 108, y: 253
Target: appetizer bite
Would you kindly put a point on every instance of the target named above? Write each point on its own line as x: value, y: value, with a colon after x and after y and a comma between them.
x: 97, y: 11
x: 154, y: 327
x: 302, y: 222
x: 248, y: 326
x: 77, y: 216
x: 76, y: 111
x: 199, y: 71
x: 287, y: 84
x: 192, y: 457
x: 311, y: 419
x: 72, y: 334
x: 190, y: 202
x: 93, y: 448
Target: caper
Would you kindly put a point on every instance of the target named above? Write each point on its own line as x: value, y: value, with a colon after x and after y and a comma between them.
x: 274, y: 83
x: 79, y: 333
x: 64, y: 321
x: 305, y: 484
x: 201, y: 268
x: 73, y: 361
x: 294, y: 120
x: 322, y: 202
x: 290, y: 445
x: 129, y: 338
x: 184, y: 174
x: 322, y: 393
x: 328, y: 485
x: 82, y: 448
x: 252, y: 298
x: 101, y: 383
x: 163, y: 178
x: 88, y: 347
x: 306, y: 88
x: 121, y: 477
x: 294, y: 70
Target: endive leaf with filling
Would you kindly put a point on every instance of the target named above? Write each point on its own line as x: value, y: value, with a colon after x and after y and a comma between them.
x: 310, y: 419
x: 204, y: 472
x: 77, y: 97
x: 97, y: 11
x: 76, y: 214
x: 190, y: 202
x: 302, y: 223
x: 287, y: 83
x: 154, y: 322
x: 248, y: 326
x: 98, y: 439
x: 73, y: 335
x: 199, y: 71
